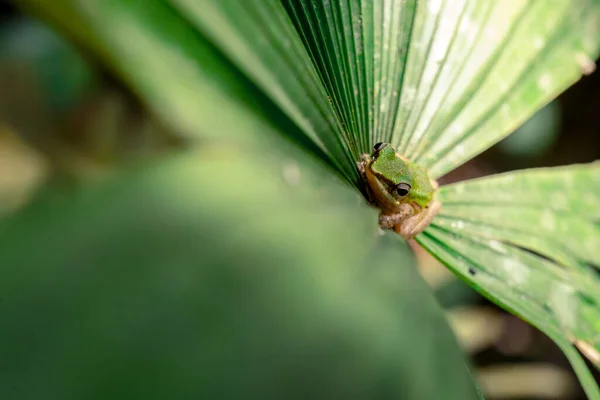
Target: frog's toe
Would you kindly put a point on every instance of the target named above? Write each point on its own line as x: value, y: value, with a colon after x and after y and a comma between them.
x: 387, y: 221
x: 361, y: 169
x: 434, y: 183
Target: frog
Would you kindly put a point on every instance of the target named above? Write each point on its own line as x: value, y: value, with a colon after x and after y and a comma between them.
x: 401, y: 189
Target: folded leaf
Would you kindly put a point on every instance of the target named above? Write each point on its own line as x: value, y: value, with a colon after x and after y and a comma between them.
x: 443, y: 80
x: 257, y: 37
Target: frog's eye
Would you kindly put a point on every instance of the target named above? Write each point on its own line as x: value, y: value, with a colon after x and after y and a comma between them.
x: 379, y: 146
x: 401, y: 190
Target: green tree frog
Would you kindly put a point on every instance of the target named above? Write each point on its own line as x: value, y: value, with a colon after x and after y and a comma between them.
x: 401, y: 189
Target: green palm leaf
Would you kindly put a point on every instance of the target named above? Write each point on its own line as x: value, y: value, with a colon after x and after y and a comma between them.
x: 257, y: 195
x: 535, y: 251
x: 441, y: 79
x: 557, y: 220
x: 449, y: 79
x: 273, y: 56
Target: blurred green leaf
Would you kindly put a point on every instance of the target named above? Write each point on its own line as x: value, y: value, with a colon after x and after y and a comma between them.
x: 207, y: 97
x: 147, y: 287
x: 529, y: 241
x: 257, y: 37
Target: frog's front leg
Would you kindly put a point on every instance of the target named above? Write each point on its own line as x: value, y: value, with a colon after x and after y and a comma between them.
x: 361, y: 168
x: 417, y: 223
x: 361, y: 165
x: 389, y: 221
x: 364, y: 158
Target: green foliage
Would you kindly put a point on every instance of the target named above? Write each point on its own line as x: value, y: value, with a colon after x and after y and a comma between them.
x: 486, y: 241
x: 147, y: 287
x: 444, y: 80
x: 440, y: 80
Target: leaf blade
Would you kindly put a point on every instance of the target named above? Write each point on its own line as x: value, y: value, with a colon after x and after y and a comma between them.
x: 294, y: 304
x: 502, y: 287
x: 446, y: 79
x: 495, y: 233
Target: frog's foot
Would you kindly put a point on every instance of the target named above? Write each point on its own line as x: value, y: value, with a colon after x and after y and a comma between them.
x: 417, y: 223
x: 388, y: 221
x: 364, y: 158
x: 434, y: 183
x: 361, y: 169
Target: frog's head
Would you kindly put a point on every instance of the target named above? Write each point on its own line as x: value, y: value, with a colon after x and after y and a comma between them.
x: 397, y: 180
